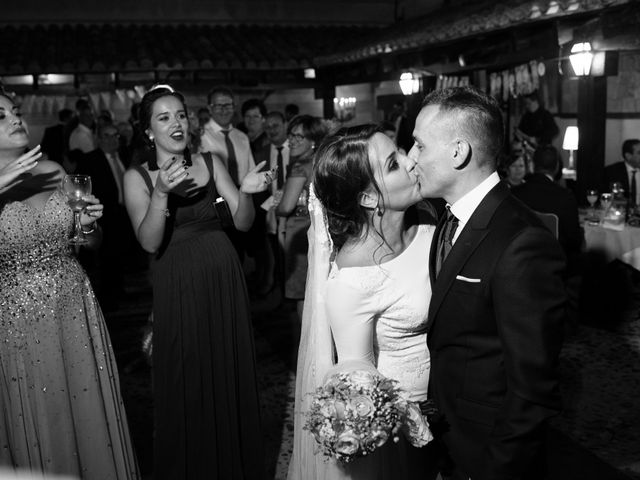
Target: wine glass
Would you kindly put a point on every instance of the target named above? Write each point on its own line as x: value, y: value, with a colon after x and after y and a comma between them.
x: 76, y: 187
x: 606, y: 199
x: 592, y: 198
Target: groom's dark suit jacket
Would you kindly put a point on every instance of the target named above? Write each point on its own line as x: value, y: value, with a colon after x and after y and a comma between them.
x: 494, y: 332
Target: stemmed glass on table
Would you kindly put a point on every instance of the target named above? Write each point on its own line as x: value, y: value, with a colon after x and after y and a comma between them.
x: 76, y: 187
x: 606, y: 200
x: 592, y: 198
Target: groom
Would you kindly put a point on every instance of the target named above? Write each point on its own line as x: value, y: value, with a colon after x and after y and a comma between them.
x: 496, y: 315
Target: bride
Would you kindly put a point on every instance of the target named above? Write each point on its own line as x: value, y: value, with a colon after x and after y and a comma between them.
x: 368, y: 292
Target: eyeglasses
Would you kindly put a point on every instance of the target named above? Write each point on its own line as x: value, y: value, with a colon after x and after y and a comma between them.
x: 111, y: 135
x: 296, y: 137
x: 222, y: 106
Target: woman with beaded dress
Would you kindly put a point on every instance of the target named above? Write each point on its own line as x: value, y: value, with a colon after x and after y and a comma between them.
x: 60, y: 406
x: 207, y: 416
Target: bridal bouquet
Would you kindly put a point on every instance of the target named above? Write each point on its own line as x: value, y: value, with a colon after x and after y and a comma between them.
x: 354, y: 413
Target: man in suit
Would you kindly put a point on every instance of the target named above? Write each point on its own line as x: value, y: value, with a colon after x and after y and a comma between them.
x: 626, y: 172
x: 267, y: 227
x: 54, y: 138
x: 542, y: 194
x: 498, y: 304
x: 106, y: 170
x: 221, y: 138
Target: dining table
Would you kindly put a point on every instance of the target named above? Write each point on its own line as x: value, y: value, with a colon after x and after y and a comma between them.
x: 614, y: 241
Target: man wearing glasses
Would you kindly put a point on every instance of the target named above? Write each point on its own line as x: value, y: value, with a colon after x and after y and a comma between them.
x: 231, y: 145
x: 221, y: 138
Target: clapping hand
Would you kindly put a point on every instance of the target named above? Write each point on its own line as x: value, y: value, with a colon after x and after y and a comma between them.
x: 92, y: 212
x: 171, y: 174
x: 11, y: 171
x: 256, y: 181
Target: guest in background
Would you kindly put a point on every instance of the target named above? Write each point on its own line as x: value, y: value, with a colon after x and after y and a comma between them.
x: 268, y: 228
x: 230, y: 145
x: 537, y: 126
x: 125, y: 142
x: 82, y: 137
x: 207, y: 415
x: 304, y: 133
x: 106, y: 170
x: 60, y: 402
x: 291, y: 110
x: 105, y: 117
x: 626, y: 172
x: 515, y: 169
x: 203, y: 116
x: 54, y: 139
x: 253, y: 114
x: 542, y: 194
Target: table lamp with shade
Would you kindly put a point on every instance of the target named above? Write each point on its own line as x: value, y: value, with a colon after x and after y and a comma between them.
x: 570, y: 142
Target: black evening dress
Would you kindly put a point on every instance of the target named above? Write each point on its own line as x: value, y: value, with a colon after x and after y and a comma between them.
x: 207, y: 417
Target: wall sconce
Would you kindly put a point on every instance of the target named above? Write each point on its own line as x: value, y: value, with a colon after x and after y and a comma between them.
x: 580, y: 58
x: 344, y: 108
x: 570, y: 142
x: 409, y: 83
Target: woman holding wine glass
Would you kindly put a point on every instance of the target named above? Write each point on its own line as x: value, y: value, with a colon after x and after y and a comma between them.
x: 61, y: 409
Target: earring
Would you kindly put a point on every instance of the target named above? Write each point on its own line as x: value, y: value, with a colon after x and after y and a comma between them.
x: 378, y: 211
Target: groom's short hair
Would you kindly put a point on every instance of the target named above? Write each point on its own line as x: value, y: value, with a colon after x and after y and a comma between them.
x: 478, y: 115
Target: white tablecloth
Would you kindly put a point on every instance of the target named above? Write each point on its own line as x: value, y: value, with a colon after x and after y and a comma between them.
x: 615, y: 244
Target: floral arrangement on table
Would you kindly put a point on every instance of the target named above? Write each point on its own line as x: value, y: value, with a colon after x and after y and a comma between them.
x: 355, y: 413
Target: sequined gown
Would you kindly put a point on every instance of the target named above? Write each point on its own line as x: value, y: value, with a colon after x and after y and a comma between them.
x: 60, y: 405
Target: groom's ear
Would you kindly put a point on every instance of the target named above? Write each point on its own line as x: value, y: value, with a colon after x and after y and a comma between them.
x: 368, y: 200
x: 461, y: 154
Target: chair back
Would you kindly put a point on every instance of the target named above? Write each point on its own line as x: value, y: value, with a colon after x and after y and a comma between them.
x: 549, y: 220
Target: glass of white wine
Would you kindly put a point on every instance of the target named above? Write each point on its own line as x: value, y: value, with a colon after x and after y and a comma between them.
x: 76, y: 187
x: 592, y: 198
x: 606, y: 200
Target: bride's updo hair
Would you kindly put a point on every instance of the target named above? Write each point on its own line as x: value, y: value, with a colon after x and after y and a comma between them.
x: 342, y: 172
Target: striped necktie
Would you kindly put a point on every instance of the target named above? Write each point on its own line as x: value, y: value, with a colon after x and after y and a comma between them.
x: 445, y: 240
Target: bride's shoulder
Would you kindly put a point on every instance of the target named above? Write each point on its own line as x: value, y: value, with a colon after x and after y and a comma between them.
x: 353, y: 255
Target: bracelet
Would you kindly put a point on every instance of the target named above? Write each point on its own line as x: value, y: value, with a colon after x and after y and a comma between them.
x: 87, y: 232
x: 165, y: 211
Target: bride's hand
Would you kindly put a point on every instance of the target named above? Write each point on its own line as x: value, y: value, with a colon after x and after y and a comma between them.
x: 11, y: 171
x: 92, y: 212
x: 256, y: 181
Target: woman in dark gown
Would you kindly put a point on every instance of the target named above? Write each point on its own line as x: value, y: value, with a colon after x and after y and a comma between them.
x: 207, y: 419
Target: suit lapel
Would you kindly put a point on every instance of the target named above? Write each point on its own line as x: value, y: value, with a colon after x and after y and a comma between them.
x: 470, y: 237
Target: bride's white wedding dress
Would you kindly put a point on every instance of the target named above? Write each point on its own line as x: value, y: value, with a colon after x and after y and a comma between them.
x: 376, y: 314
